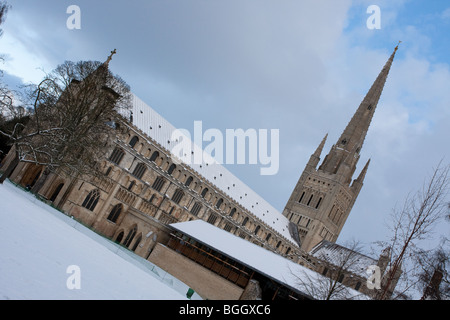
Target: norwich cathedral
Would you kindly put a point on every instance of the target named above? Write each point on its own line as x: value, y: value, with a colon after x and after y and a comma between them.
x: 143, y: 191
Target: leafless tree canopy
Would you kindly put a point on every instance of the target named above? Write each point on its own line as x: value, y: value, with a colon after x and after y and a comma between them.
x: 331, y: 287
x: 433, y: 275
x: 74, y: 111
x: 414, y: 222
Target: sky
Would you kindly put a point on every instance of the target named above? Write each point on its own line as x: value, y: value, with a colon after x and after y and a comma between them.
x: 301, y: 67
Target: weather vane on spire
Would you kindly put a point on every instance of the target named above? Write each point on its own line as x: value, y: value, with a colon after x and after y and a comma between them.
x: 110, y: 56
x: 400, y: 41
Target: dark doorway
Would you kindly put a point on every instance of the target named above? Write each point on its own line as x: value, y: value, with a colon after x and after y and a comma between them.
x: 119, y: 237
x: 56, y: 192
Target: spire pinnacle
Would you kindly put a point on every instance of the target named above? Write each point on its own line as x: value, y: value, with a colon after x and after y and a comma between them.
x: 315, y: 157
x: 362, y: 175
x: 319, y: 149
x: 110, y: 56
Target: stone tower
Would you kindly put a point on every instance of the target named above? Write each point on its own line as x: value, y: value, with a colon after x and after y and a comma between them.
x: 324, y: 196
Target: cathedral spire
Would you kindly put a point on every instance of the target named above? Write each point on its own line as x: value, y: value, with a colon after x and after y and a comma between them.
x: 352, y: 138
x: 323, y: 198
x: 358, y: 126
x: 101, y: 73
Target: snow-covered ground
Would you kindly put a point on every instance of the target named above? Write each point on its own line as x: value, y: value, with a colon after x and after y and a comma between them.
x: 39, y: 247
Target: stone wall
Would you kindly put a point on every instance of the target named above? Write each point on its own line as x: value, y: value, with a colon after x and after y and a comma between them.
x: 206, y: 283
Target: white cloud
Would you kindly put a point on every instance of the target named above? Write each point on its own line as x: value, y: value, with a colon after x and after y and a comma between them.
x: 287, y: 65
x: 446, y: 14
x: 21, y: 62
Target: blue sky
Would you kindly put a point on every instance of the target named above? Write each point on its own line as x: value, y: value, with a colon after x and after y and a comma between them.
x: 301, y: 67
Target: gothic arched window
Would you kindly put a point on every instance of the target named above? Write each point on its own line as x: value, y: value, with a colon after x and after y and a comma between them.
x: 171, y: 168
x: 219, y: 203
x: 139, y: 170
x: 188, y: 181
x: 91, y: 200
x: 318, y: 203
x: 138, y: 240
x: 177, y: 196
x: 117, y: 155
x: 158, y: 184
x: 301, y: 198
x: 130, y: 237
x: 204, y: 192
x: 133, y: 141
x: 115, y: 212
x: 212, y: 218
x: 119, y: 237
x: 196, y: 208
x: 309, y: 201
x: 154, y: 156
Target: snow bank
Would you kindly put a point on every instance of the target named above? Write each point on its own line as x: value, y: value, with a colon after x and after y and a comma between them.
x: 39, y: 244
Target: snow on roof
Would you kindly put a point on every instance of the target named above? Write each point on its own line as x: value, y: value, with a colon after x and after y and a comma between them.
x: 335, y: 254
x: 255, y: 257
x: 159, y: 129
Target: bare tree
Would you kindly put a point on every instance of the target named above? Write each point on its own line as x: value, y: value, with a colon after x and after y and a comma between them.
x: 74, y: 112
x: 413, y: 223
x: 335, y: 270
x: 4, y: 7
x: 433, y: 277
x: 6, y: 95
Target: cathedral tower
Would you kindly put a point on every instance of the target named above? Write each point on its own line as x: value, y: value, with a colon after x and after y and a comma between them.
x: 324, y: 196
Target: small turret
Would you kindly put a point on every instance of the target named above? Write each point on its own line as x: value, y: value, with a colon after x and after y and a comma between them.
x: 315, y: 157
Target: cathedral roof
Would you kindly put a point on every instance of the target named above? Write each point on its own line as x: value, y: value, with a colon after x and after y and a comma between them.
x: 159, y: 129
